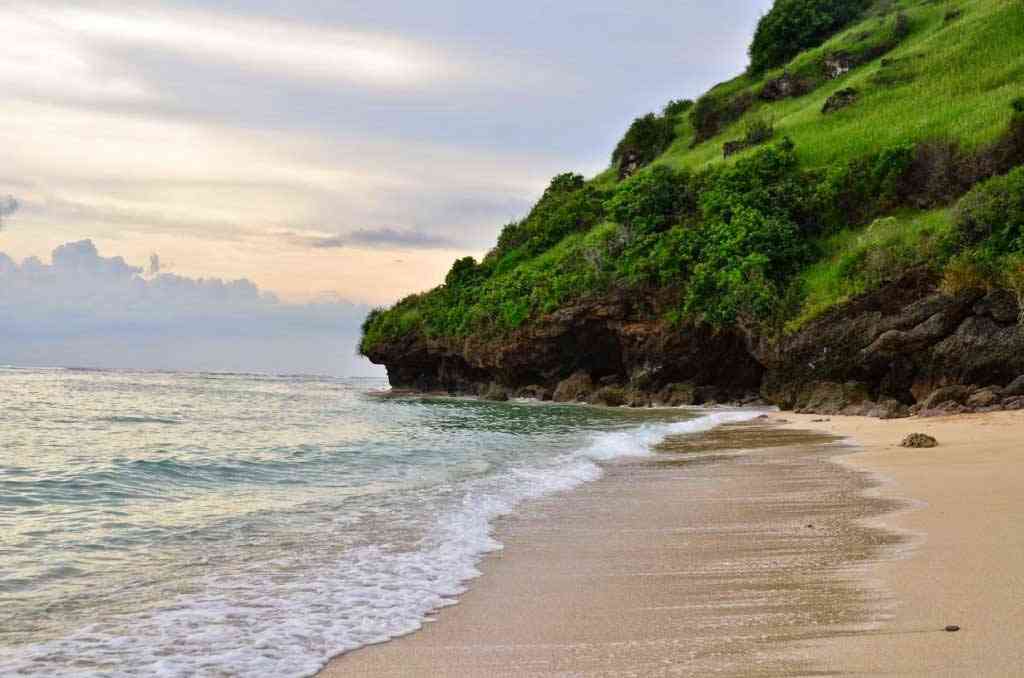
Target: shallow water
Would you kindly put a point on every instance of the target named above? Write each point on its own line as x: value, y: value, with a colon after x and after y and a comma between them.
x: 226, y: 524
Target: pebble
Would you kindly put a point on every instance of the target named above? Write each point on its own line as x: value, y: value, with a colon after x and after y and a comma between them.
x: 952, y: 627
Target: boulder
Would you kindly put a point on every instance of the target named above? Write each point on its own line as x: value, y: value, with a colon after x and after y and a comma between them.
x: 574, y: 388
x: 638, y: 398
x: 610, y: 396
x: 1016, y: 403
x: 677, y: 395
x: 889, y: 408
x: 919, y: 440
x: 1000, y: 305
x: 495, y: 393
x: 840, y: 99
x: 837, y: 64
x: 986, y: 397
x: 956, y: 394
x: 1015, y: 387
x: 784, y: 87
x: 535, y: 391
x: 733, y: 147
x: 828, y: 397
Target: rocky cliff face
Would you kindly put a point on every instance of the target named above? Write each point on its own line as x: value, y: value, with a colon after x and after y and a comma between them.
x: 903, y: 348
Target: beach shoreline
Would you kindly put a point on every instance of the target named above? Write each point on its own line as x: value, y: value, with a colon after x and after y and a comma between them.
x: 707, y: 556
x: 916, y: 568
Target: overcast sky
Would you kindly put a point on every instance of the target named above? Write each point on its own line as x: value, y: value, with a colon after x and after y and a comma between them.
x: 321, y: 149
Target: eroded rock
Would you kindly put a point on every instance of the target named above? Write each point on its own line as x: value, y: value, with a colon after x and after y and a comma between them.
x: 841, y: 99
x: 919, y: 440
x: 574, y: 389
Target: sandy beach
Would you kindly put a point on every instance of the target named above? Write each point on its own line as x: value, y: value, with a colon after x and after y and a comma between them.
x: 772, y: 549
x: 967, y: 567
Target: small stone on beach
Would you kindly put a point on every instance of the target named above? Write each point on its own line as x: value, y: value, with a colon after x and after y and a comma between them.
x: 919, y: 440
x: 952, y: 627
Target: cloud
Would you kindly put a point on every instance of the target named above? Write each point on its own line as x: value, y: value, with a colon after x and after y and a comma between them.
x: 380, y: 238
x: 204, y: 130
x: 8, y: 206
x: 367, y: 59
x: 83, y: 305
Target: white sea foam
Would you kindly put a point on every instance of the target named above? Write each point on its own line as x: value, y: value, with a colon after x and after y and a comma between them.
x: 256, y: 625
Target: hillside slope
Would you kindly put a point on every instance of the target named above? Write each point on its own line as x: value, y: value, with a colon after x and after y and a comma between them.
x: 837, y: 230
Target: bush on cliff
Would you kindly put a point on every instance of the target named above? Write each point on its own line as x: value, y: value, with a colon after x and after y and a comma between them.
x: 569, y: 205
x: 651, y: 201
x: 993, y: 213
x: 645, y: 140
x: 792, y: 26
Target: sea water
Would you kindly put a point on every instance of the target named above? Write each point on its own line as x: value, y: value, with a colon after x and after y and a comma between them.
x: 173, y: 524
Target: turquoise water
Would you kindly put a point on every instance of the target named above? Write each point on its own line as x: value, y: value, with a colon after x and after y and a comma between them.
x: 159, y: 524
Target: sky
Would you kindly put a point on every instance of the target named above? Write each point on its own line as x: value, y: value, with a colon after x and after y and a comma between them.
x: 326, y: 155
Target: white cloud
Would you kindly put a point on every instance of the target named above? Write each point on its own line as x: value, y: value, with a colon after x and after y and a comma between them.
x: 76, y: 309
x: 40, y: 57
x: 290, y: 49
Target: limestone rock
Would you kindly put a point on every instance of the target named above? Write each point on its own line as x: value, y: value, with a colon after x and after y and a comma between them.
x: 495, y: 392
x: 919, y: 440
x: 574, y: 388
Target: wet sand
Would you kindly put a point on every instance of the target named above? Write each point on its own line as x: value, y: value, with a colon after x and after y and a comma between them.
x: 734, y: 553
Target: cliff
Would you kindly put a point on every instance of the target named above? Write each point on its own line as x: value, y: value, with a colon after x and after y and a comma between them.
x: 839, y: 229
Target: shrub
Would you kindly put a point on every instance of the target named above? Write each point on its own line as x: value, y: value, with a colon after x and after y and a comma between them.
x: 974, y: 269
x: 768, y: 180
x: 1013, y: 280
x: 758, y: 130
x: 712, y: 112
x: 854, y: 192
x: 792, y: 26
x: 652, y: 201
x: 743, y: 267
x: 464, y: 272
x: 569, y: 205
x: 1018, y: 105
x: 993, y: 213
x: 677, y: 107
x: 647, y: 138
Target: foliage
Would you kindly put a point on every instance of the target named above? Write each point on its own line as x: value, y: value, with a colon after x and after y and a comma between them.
x: 993, y: 213
x: 792, y: 26
x: 677, y: 107
x: 857, y: 190
x: 569, y: 205
x: 651, y: 201
x: 712, y: 112
x: 645, y: 140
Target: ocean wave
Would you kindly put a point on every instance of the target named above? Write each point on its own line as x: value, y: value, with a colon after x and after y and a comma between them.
x: 139, y: 419
x: 262, y: 624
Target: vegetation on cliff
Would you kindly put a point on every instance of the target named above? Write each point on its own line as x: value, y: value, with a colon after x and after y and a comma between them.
x: 910, y: 165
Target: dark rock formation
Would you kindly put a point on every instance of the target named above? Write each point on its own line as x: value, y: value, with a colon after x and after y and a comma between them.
x: 576, y: 350
x: 733, y: 147
x: 785, y: 86
x: 840, y: 99
x: 837, y: 64
x: 903, y: 349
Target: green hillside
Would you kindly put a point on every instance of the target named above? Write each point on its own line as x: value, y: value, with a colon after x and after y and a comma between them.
x: 893, y: 141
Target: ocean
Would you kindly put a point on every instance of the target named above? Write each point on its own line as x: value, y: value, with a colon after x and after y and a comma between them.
x: 198, y: 524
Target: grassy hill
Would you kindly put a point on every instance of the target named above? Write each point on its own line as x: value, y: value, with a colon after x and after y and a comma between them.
x: 847, y: 165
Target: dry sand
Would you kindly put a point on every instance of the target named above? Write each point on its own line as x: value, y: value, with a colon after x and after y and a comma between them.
x: 967, y: 568
x: 775, y: 561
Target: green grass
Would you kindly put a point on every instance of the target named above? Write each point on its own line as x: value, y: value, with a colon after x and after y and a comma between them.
x: 967, y: 72
x: 844, y: 269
